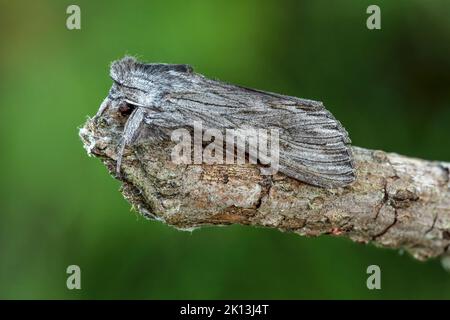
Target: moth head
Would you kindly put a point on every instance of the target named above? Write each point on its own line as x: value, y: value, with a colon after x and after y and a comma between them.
x: 141, y: 76
x: 125, y: 109
x: 122, y: 69
x: 139, y: 84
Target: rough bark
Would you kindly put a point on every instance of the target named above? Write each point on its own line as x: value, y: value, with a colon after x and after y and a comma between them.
x: 396, y: 201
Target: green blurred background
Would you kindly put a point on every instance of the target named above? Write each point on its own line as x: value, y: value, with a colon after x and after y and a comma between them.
x: 390, y: 88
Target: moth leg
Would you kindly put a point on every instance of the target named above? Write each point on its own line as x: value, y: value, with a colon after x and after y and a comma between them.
x: 130, y: 133
x: 102, y: 108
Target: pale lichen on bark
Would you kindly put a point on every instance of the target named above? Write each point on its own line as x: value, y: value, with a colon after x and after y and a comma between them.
x: 396, y: 201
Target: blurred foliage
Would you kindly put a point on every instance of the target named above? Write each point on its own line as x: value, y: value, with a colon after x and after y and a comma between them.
x: 390, y: 88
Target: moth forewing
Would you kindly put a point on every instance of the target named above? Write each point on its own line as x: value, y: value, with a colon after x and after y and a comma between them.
x: 313, y: 146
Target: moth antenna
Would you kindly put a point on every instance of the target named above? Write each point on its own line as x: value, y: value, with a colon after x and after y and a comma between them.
x: 134, y: 103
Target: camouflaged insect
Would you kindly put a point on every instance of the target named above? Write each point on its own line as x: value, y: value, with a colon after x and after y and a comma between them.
x: 313, y: 147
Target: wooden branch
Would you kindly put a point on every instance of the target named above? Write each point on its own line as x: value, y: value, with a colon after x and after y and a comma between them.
x: 396, y: 201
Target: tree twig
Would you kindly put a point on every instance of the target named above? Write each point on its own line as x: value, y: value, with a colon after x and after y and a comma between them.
x: 395, y: 202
